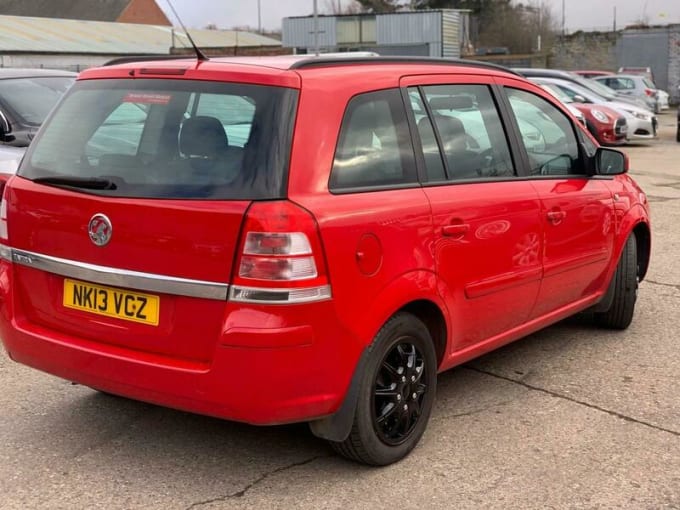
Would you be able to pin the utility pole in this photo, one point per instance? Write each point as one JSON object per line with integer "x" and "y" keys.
{"x": 563, "y": 19}
{"x": 259, "y": 17}
{"x": 316, "y": 29}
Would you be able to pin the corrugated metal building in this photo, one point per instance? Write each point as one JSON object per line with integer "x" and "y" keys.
{"x": 657, "y": 48}
{"x": 76, "y": 45}
{"x": 433, "y": 33}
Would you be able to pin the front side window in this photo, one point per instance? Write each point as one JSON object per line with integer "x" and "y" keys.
{"x": 374, "y": 148}
{"x": 461, "y": 123}
{"x": 169, "y": 139}
{"x": 547, "y": 134}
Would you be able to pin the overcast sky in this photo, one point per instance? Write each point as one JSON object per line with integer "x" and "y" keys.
{"x": 579, "y": 14}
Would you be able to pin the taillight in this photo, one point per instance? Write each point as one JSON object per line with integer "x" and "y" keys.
{"x": 280, "y": 258}
{"x": 3, "y": 213}
{"x": 5, "y": 251}
{"x": 650, "y": 92}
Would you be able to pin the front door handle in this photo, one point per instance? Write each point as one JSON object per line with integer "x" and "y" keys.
{"x": 455, "y": 230}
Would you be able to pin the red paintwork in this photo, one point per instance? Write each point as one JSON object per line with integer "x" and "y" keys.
{"x": 517, "y": 256}
{"x": 603, "y": 132}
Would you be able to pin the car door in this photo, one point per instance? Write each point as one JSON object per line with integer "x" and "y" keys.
{"x": 576, "y": 208}
{"x": 487, "y": 242}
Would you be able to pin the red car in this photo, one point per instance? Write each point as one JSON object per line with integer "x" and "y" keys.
{"x": 607, "y": 125}
{"x": 290, "y": 239}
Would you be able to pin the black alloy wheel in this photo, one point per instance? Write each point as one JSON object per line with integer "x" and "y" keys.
{"x": 399, "y": 391}
{"x": 396, "y": 393}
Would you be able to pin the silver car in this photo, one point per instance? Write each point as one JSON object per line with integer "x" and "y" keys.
{"x": 641, "y": 122}
{"x": 634, "y": 85}
{"x": 10, "y": 157}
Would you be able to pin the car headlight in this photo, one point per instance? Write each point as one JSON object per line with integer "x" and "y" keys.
{"x": 641, "y": 116}
{"x": 600, "y": 115}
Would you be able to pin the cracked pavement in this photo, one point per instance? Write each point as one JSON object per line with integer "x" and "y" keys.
{"x": 570, "y": 417}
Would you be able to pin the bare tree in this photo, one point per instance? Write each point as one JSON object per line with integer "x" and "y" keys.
{"x": 343, "y": 7}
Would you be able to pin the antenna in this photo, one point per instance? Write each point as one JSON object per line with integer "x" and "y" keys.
{"x": 199, "y": 54}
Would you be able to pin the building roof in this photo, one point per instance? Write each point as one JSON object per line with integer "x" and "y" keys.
{"x": 93, "y": 10}
{"x": 44, "y": 35}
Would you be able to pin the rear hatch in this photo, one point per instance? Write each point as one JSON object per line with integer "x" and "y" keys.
{"x": 127, "y": 209}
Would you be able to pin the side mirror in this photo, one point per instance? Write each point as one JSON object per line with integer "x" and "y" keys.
{"x": 579, "y": 99}
{"x": 610, "y": 162}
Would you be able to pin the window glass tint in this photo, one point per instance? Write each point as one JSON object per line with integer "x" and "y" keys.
{"x": 374, "y": 148}
{"x": 234, "y": 112}
{"x": 470, "y": 132}
{"x": 434, "y": 166}
{"x": 170, "y": 138}
{"x": 120, "y": 133}
{"x": 648, "y": 83}
{"x": 547, "y": 134}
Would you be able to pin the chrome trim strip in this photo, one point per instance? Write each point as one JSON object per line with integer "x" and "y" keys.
{"x": 5, "y": 253}
{"x": 121, "y": 277}
{"x": 282, "y": 296}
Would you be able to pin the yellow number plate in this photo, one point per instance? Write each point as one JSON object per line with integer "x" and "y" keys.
{"x": 112, "y": 302}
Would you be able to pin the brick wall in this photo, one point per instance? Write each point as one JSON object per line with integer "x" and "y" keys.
{"x": 674, "y": 65}
{"x": 585, "y": 50}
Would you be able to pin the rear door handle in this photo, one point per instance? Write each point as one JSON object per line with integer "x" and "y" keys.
{"x": 556, "y": 217}
{"x": 455, "y": 230}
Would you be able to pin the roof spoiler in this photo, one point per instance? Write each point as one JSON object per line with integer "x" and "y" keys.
{"x": 146, "y": 58}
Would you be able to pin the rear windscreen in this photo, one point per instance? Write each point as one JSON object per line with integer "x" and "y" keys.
{"x": 169, "y": 139}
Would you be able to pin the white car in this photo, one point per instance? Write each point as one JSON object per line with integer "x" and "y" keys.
{"x": 664, "y": 98}
{"x": 641, "y": 122}
{"x": 10, "y": 157}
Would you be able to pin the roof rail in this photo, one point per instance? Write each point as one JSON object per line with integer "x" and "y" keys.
{"x": 320, "y": 61}
{"x": 147, "y": 58}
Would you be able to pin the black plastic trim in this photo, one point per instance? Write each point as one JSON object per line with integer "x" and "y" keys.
{"x": 147, "y": 58}
{"x": 320, "y": 61}
{"x": 338, "y": 425}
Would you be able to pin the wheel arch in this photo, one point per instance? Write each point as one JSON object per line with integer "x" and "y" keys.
{"x": 644, "y": 247}
{"x": 433, "y": 317}
{"x": 338, "y": 426}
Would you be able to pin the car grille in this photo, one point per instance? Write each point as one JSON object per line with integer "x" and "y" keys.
{"x": 620, "y": 126}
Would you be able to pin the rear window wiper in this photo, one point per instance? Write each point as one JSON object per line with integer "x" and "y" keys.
{"x": 78, "y": 182}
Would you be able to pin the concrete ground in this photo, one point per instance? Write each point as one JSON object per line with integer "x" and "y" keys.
{"x": 572, "y": 417}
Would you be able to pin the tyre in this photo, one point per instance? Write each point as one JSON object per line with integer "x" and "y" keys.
{"x": 625, "y": 286}
{"x": 396, "y": 394}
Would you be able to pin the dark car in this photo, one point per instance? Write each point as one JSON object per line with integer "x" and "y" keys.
{"x": 677, "y": 134}
{"x": 26, "y": 97}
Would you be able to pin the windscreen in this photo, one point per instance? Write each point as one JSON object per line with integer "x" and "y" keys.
{"x": 168, "y": 139}
{"x": 31, "y": 99}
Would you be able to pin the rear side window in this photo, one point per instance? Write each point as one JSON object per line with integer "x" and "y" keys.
{"x": 467, "y": 129}
{"x": 547, "y": 134}
{"x": 170, "y": 139}
{"x": 374, "y": 148}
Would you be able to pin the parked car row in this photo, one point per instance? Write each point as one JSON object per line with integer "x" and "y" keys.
{"x": 659, "y": 98}
{"x": 619, "y": 116}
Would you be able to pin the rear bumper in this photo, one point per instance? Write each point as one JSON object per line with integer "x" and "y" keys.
{"x": 261, "y": 376}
